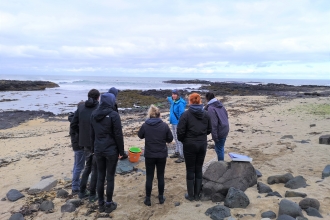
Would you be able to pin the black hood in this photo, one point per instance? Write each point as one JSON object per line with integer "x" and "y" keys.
{"x": 106, "y": 106}
{"x": 197, "y": 111}
{"x": 153, "y": 121}
{"x": 91, "y": 103}
{"x": 114, "y": 91}
{"x": 217, "y": 104}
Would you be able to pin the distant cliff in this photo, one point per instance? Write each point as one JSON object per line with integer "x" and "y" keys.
{"x": 17, "y": 85}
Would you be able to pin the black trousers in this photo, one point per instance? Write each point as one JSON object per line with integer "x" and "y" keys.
{"x": 194, "y": 154}
{"x": 90, "y": 167}
{"x": 106, "y": 167}
{"x": 151, "y": 163}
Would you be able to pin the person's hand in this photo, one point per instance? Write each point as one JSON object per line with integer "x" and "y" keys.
{"x": 120, "y": 156}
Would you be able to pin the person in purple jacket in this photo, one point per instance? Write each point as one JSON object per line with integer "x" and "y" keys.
{"x": 219, "y": 122}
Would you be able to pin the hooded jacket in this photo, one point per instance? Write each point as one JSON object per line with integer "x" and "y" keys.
{"x": 156, "y": 134}
{"x": 219, "y": 119}
{"x": 106, "y": 130}
{"x": 114, "y": 91}
{"x": 194, "y": 125}
{"x": 176, "y": 110}
{"x": 81, "y": 123}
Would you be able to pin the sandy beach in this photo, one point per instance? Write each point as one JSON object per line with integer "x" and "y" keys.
{"x": 41, "y": 147}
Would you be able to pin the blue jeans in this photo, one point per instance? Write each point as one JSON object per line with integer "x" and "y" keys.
{"x": 220, "y": 148}
{"x": 78, "y": 166}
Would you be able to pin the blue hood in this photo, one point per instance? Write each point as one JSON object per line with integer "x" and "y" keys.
{"x": 197, "y": 110}
{"x": 114, "y": 91}
{"x": 153, "y": 121}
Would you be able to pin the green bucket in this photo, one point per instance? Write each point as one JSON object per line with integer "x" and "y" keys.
{"x": 135, "y": 149}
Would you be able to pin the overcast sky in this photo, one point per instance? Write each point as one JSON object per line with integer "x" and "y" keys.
{"x": 184, "y": 38}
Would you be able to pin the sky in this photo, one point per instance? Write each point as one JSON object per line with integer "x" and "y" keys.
{"x": 182, "y": 38}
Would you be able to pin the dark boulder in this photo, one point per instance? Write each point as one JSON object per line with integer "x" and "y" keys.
{"x": 285, "y": 217}
{"x": 236, "y": 199}
{"x": 326, "y": 171}
{"x": 258, "y": 173}
{"x": 279, "y": 178}
{"x": 62, "y": 193}
{"x": 309, "y": 202}
{"x": 46, "y": 206}
{"x": 16, "y": 216}
{"x": 68, "y": 207}
{"x": 14, "y": 195}
{"x": 274, "y": 194}
{"x": 296, "y": 183}
{"x": 324, "y": 139}
{"x": 268, "y": 214}
{"x": 218, "y": 197}
{"x": 263, "y": 188}
{"x": 313, "y": 212}
{"x": 290, "y": 208}
{"x": 295, "y": 194}
{"x": 218, "y": 212}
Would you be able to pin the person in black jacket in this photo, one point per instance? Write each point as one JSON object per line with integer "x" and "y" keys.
{"x": 108, "y": 145}
{"x": 156, "y": 134}
{"x": 82, "y": 125}
{"x": 192, "y": 131}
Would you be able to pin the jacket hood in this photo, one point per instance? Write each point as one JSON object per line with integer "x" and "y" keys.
{"x": 180, "y": 100}
{"x": 90, "y": 103}
{"x": 216, "y": 104}
{"x": 106, "y": 106}
{"x": 197, "y": 110}
{"x": 114, "y": 91}
{"x": 153, "y": 121}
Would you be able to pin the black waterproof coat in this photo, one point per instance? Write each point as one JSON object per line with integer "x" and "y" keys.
{"x": 81, "y": 122}
{"x": 74, "y": 135}
{"x": 194, "y": 125}
{"x": 106, "y": 130}
{"x": 156, "y": 134}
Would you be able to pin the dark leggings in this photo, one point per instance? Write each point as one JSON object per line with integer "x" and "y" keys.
{"x": 194, "y": 154}
{"x": 90, "y": 167}
{"x": 151, "y": 163}
{"x": 106, "y": 167}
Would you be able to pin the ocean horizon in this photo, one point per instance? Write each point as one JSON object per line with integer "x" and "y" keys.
{"x": 74, "y": 89}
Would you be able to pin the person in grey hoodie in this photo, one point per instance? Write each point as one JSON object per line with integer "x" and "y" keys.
{"x": 220, "y": 123}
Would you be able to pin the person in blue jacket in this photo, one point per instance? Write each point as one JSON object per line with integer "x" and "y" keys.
{"x": 178, "y": 106}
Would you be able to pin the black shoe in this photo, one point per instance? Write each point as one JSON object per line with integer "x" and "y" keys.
{"x": 197, "y": 189}
{"x": 75, "y": 192}
{"x": 175, "y": 155}
{"x": 101, "y": 207}
{"x": 110, "y": 207}
{"x": 83, "y": 195}
{"x": 125, "y": 156}
{"x": 179, "y": 160}
{"x": 161, "y": 199}
{"x": 147, "y": 201}
{"x": 190, "y": 189}
{"x": 93, "y": 198}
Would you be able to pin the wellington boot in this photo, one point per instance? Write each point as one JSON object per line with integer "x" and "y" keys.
{"x": 190, "y": 189}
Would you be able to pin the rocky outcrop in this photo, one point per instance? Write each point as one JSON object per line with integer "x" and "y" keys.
{"x": 17, "y": 85}
{"x": 220, "y": 176}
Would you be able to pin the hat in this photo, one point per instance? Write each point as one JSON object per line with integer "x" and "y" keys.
{"x": 175, "y": 91}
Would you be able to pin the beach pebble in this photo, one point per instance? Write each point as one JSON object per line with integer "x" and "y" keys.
{"x": 34, "y": 207}
{"x": 14, "y": 195}
{"x": 46, "y": 206}
{"x": 75, "y": 202}
{"x": 16, "y": 216}
{"x": 263, "y": 188}
{"x": 309, "y": 202}
{"x": 68, "y": 207}
{"x": 290, "y": 208}
{"x": 3, "y": 199}
{"x": 197, "y": 205}
{"x": 279, "y": 178}
{"x": 285, "y": 217}
{"x": 287, "y": 137}
{"x": 236, "y": 199}
{"x": 313, "y": 212}
{"x": 274, "y": 194}
{"x": 268, "y": 214}
{"x": 45, "y": 177}
{"x": 62, "y": 193}
{"x": 295, "y": 194}
{"x": 326, "y": 171}
{"x": 296, "y": 183}
{"x": 258, "y": 173}
{"x": 324, "y": 139}
{"x": 177, "y": 203}
{"x": 218, "y": 212}
{"x": 230, "y": 218}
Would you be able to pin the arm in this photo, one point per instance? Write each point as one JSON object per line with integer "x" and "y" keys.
{"x": 181, "y": 129}
{"x": 214, "y": 124}
{"x": 170, "y": 100}
{"x": 141, "y": 132}
{"x": 92, "y": 137}
{"x": 169, "y": 135}
{"x": 118, "y": 132}
{"x": 209, "y": 126}
{"x": 74, "y": 125}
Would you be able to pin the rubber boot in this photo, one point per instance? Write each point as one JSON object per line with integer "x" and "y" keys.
{"x": 190, "y": 189}
{"x": 147, "y": 201}
{"x": 198, "y": 187}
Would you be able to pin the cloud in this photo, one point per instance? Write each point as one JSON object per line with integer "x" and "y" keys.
{"x": 257, "y": 38}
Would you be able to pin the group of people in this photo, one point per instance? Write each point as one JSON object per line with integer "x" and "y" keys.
{"x": 98, "y": 143}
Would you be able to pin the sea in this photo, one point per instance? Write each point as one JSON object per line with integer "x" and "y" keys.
{"x": 73, "y": 89}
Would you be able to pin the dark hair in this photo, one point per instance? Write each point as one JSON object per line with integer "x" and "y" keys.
{"x": 94, "y": 94}
{"x": 209, "y": 96}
